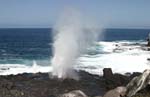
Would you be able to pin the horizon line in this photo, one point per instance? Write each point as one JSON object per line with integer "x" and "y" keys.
{"x": 52, "y": 27}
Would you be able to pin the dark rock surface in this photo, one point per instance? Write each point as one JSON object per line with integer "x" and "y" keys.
{"x": 143, "y": 93}
{"x": 148, "y": 44}
{"x": 40, "y": 85}
{"x": 114, "y": 80}
{"x": 148, "y": 40}
{"x": 107, "y": 73}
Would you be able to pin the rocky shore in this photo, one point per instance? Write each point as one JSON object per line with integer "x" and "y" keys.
{"x": 40, "y": 85}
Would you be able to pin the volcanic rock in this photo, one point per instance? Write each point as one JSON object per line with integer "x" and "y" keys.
{"x": 114, "y": 80}
{"x": 40, "y": 85}
{"x": 107, "y": 73}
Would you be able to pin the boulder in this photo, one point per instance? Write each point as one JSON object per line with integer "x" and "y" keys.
{"x": 107, "y": 73}
{"x": 138, "y": 83}
{"x": 117, "y": 92}
{"x": 114, "y": 80}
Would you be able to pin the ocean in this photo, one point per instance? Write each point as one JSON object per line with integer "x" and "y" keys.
{"x": 30, "y": 50}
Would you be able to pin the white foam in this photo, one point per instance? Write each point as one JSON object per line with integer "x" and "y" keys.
{"x": 7, "y": 69}
{"x": 107, "y": 46}
{"x": 121, "y": 56}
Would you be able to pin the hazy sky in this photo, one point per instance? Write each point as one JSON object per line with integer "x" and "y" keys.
{"x": 44, "y": 13}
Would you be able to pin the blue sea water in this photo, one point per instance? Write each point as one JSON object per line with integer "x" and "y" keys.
{"x": 21, "y": 46}
{"x": 125, "y": 34}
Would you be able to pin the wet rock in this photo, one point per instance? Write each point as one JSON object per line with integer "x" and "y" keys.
{"x": 135, "y": 74}
{"x": 75, "y": 93}
{"x": 107, "y": 73}
{"x": 114, "y": 80}
{"x": 148, "y": 59}
{"x": 117, "y": 92}
{"x": 148, "y": 40}
{"x": 148, "y": 44}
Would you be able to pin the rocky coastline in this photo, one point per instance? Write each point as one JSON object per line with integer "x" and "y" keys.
{"x": 41, "y": 85}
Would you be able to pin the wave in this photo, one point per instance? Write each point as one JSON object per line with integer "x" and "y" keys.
{"x": 121, "y": 56}
{"x": 8, "y": 69}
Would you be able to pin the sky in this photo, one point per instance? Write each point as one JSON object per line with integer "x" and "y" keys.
{"x": 44, "y": 13}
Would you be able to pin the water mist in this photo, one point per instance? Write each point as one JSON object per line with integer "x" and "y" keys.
{"x": 72, "y": 37}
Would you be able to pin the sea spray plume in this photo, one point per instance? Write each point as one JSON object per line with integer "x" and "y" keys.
{"x": 34, "y": 66}
{"x": 71, "y": 39}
